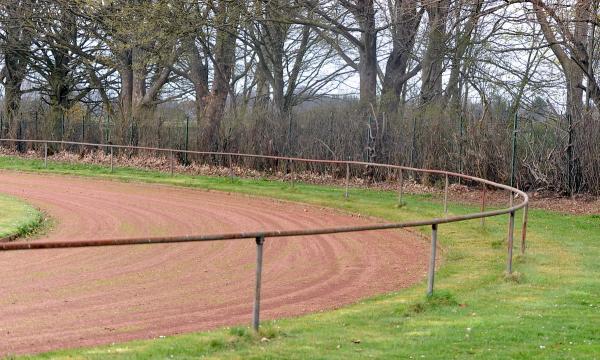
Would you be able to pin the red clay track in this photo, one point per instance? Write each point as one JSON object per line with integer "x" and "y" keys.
{"x": 51, "y": 299}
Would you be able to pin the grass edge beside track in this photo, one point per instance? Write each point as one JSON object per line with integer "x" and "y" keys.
{"x": 18, "y": 218}
{"x": 550, "y": 309}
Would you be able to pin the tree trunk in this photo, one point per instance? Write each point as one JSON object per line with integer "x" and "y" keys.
{"x": 227, "y": 20}
{"x": 12, "y": 103}
{"x": 572, "y": 64}
{"x": 60, "y": 89}
{"x": 125, "y": 97}
{"x": 368, "y": 52}
{"x": 463, "y": 40}
{"x": 16, "y": 51}
{"x": 404, "y": 28}
{"x": 433, "y": 61}
{"x": 198, "y": 75}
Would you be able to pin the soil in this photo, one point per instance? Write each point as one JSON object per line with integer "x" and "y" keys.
{"x": 54, "y": 299}
{"x": 580, "y": 204}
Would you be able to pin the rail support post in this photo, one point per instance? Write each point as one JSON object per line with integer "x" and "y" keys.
{"x": 45, "y": 154}
{"x": 111, "y": 159}
{"x": 511, "y": 230}
{"x": 259, "y": 260}
{"x": 293, "y": 171}
{"x": 347, "y": 179}
{"x": 231, "y": 172}
{"x": 401, "y": 191}
{"x": 172, "y": 162}
{"x": 483, "y": 204}
{"x": 524, "y": 230}
{"x": 446, "y": 195}
{"x": 431, "y": 274}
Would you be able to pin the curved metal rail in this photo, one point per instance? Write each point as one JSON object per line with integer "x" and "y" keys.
{"x": 262, "y": 235}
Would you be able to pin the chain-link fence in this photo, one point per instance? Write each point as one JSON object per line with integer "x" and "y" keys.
{"x": 553, "y": 152}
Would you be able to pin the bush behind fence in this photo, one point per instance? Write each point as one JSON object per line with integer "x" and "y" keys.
{"x": 545, "y": 157}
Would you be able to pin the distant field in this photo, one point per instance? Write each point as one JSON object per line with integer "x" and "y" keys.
{"x": 550, "y": 310}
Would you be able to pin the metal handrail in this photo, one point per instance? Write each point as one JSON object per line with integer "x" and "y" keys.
{"x": 260, "y": 236}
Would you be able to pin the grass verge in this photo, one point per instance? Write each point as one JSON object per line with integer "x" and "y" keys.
{"x": 17, "y": 218}
{"x": 550, "y": 309}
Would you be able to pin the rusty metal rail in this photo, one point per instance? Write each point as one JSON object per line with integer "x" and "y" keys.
{"x": 261, "y": 236}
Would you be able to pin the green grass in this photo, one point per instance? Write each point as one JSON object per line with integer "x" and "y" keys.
{"x": 17, "y": 218}
{"x": 550, "y": 309}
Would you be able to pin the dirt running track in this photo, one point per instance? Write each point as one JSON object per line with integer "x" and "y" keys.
{"x": 51, "y": 299}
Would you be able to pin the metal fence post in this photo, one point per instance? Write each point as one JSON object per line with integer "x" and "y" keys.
{"x": 524, "y": 230}
{"x": 172, "y": 162}
{"x": 414, "y": 140}
{"x": 431, "y": 274}
{"x": 570, "y": 159}
{"x": 62, "y": 129}
{"x": 347, "y": 179}
{"x": 187, "y": 137}
{"x": 259, "y": 260}
{"x": 401, "y": 191}
{"x": 45, "y": 154}
{"x": 111, "y": 159}
{"x": 483, "y": 204}
{"x": 513, "y": 164}
{"x": 293, "y": 170}
{"x": 511, "y": 230}
{"x": 460, "y": 148}
{"x": 446, "y": 196}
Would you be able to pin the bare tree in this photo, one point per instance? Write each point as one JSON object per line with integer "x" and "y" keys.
{"x": 433, "y": 59}
{"x": 15, "y": 46}
{"x": 405, "y": 21}
{"x": 142, "y": 44}
{"x": 355, "y": 22}
{"x": 569, "y": 34}
{"x": 226, "y": 21}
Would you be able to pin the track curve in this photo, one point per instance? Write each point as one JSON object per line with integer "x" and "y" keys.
{"x": 51, "y": 299}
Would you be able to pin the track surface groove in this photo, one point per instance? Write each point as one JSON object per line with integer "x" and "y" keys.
{"x": 52, "y": 299}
